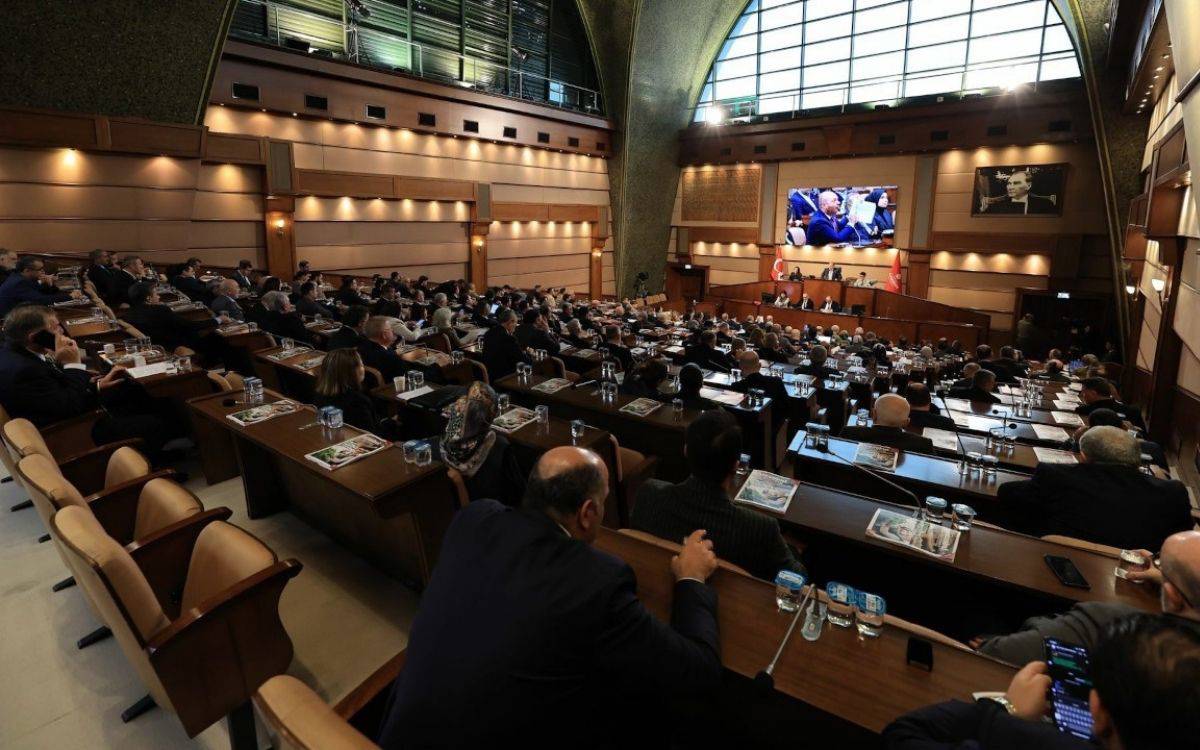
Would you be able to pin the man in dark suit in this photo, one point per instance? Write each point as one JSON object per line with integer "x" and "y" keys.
{"x": 752, "y": 377}
{"x": 748, "y": 539}
{"x": 534, "y": 332}
{"x": 350, "y": 335}
{"x": 805, "y": 302}
{"x": 43, "y": 380}
{"x": 704, "y": 352}
{"x": 565, "y": 628}
{"x": 187, "y": 283}
{"x": 1098, "y": 393}
{"x": 22, "y": 286}
{"x": 1053, "y": 372}
{"x": 922, "y": 411}
{"x": 1019, "y": 199}
{"x": 387, "y": 305}
{"x": 890, "y": 414}
{"x": 1106, "y": 499}
{"x": 1143, "y": 696}
{"x": 826, "y": 228}
{"x": 817, "y": 367}
{"x": 617, "y": 349}
{"x": 282, "y": 319}
{"x": 225, "y": 301}
{"x": 131, "y": 271}
{"x": 830, "y": 306}
{"x": 501, "y": 352}
{"x": 100, "y": 272}
{"x": 831, "y": 272}
{"x": 163, "y": 325}
{"x": 242, "y": 275}
{"x": 376, "y": 350}
{"x": 981, "y": 390}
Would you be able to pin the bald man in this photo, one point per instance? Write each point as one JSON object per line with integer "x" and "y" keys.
{"x": 890, "y": 417}
{"x": 1177, "y": 580}
{"x": 826, "y": 228}
{"x": 752, "y": 377}
{"x": 528, "y": 634}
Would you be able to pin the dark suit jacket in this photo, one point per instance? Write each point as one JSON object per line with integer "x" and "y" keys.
{"x": 621, "y": 354}
{"x": 313, "y": 308}
{"x": 709, "y": 358}
{"x": 163, "y": 325}
{"x": 834, "y": 306}
{"x": 564, "y": 629}
{"x": 385, "y": 360}
{"x": 984, "y": 725}
{"x": 805, "y": 303}
{"x": 1131, "y": 413}
{"x": 929, "y": 419}
{"x": 192, "y": 287}
{"x": 119, "y": 286}
{"x": 344, "y": 338}
{"x": 890, "y": 436}
{"x": 739, "y": 535}
{"x": 286, "y": 325}
{"x": 772, "y": 387}
{"x": 102, "y": 278}
{"x": 227, "y": 305}
{"x": 1103, "y": 503}
{"x": 242, "y": 280}
{"x": 501, "y": 353}
{"x": 974, "y": 394}
{"x": 529, "y": 337}
{"x": 17, "y": 289}
{"x": 43, "y": 393}
{"x": 357, "y": 409}
{"x": 825, "y": 231}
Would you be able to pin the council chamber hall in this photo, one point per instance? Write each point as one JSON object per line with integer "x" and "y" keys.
{"x": 600, "y": 373}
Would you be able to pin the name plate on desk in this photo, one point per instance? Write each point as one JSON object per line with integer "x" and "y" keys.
{"x": 146, "y": 371}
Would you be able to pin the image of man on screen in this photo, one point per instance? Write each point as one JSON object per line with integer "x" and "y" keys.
{"x": 825, "y": 227}
{"x": 1018, "y": 198}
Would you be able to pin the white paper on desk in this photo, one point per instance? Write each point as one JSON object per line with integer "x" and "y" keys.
{"x": 944, "y": 439}
{"x": 563, "y": 346}
{"x": 1071, "y": 419}
{"x": 1054, "y": 456}
{"x": 1075, "y": 386}
{"x": 1065, "y": 404}
{"x": 1050, "y": 432}
{"x": 974, "y": 422}
{"x": 958, "y": 404}
{"x": 146, "y": 371}
{"x": 414, "y": 393}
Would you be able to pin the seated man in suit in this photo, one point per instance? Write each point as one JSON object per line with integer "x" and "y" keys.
{"x": 981, "y": 390}
{"x": 43, "y": 380}
{"x": 861, "y": 280}
{"x": 100, "y": 272}
{"x": 805, "y": 302}
{"x": 282, "y": 319}
{"x": 163, "y": 325}
{"x": 576, "y": 336}
{"x": 890, "y": 414}
{"x": 817, "y": 367}
{"x": 1098, "y": 393}
{"x": 348, "y": 293}
{"x": 704, "y": 352}
{"x": 187, "y": 283}
{"x": 308, "y": 305}
{"x": 827, "y": 228}
{"x": 564, "y": 625}
{"x": 830, "y": 306}
{"x": 131, "y": 271}
{"x": 377, "y": 349}
{"x": 796, "y": 275}
{"x": 23, "y": 285}
{"x": 831, "y": 272}
{"x": 967, "y": 376}
{"x": 534, "y": 332}
{"x": 388, "y": 303}
{"x": 1053, "y": 372}
{"x": 501, "y": 351}
{"x": 1105, "y": 499}
{"x": 746, "y": 538}
{"x": 354, "y": 324}
{"x": 922, "y": 411}
{"x": 1176, "y": 579}
{"x": 752, "y": 377}
{"x": 1158, "y": 457}
{"x": 617, "y": 349}
{"x": 1143, "y": 696}
{"x": 1007, "y": 361}
{"x": 225, "y": 302}
{"x": 241, "y": 276}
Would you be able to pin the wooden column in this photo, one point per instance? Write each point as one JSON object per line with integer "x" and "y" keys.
{"x": 766, "y": 259}
{"x": 477, "y": 270}
{"x": 279, "y": 225}
{"x": 600, "y": 233}
{"x": 917, "y": 278}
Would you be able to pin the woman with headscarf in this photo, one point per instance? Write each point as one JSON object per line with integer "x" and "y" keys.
{"x": 883, "y": 217}
{"x": 481, "y": 455}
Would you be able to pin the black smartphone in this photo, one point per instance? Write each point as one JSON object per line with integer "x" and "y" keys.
{"x": 920, "y": 653}
{"x": 1066, "y": 572}
{"x": 1070, "y": 686}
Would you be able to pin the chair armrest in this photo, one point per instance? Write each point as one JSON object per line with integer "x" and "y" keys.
{"x": 164, "y": 556}
{"x": 632, "y": 479}
{"x": 212, "y": 658}
{"x": 73, "y": 435}
{"x": 86, "y": 470}
{"x": 116, "y": 507}
{"x": 369, "y": 689}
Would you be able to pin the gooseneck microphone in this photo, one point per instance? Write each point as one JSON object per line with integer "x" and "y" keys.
{"x": 941, "y": 393}
{"x": 823, "y": 448}
{"x": 765, "y": 680}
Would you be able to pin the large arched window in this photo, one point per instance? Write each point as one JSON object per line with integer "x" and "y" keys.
{"x": 792, "y": 55}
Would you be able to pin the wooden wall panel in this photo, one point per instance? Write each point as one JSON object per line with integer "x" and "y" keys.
{"x": 140, "y": 136}
{"x": 240, "y": 149}
{"x": 312, "y": 208}
{"x": 343, "y": 183}
{"x": 418, "y": 188}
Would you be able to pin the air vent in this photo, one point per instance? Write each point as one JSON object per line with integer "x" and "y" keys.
{"x": 798, "y": 145}
{"x": 470, "y": 126}
{"x": 312, "y": 101}
{"x": 1059, "y": 126}
{"x": 510, "y": 132}
{"x": 727, "y": 152}
{"x": 600, "y": 146}
{"x": 573, "y": 142}
{"x": 760, "y": 149}
{"x": 939, "y": 135}
{"x": 426, "y": 119}
{"x": 376, "y": 112}
{"x": 543, "y": 137}
{"x": 245, "y": 91}
{"x": 887, "y": 140}
{"x": 997, "y": 130}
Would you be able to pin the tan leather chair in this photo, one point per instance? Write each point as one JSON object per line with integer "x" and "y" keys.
{"x": 632, "y": 469}
{"x": 460, "y": 487}
{"x": 218, "y": 382}
{"x": 439, "y": 342}
{"x": 91, "y": 471}
{"x": 195, "y": 611}
{"x": 297, "y": 719}
{"x": 235, "y": 380}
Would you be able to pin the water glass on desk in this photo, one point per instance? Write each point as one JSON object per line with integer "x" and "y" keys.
{"x": 935, "y": 509}
{"x": 788, "y": 587}
{"x": 416, "y": 379}
{"x": 989, "y": 463}
{"x": 288, "y": 344}
{"x": 677, "y": 409}
{"x": 1130, "y": 561}
{"x": 410, "y": 451}
{"x": 456, "y": 357}
{"x": 132, "y": 346}
{"x": 869, "y": 611}
{"x": 543, "y": 414}
{"x": 841, "y": 604}
{"x": 973, "y": 461}
{"x": 185, "y": 364}
{"x": 735, "y": 375}
{"x": 424, "y": 454}
{"x": 962, "y": 517}
{"x": 251, "y": 327}
{"x": 577, "y": 428}
{"x": 502, "y": 402}
{"x": 254, "y": 390}
{"x": 863, "y": 418}
{"x": 400, "y": 383}
{"x": 743, "y": 465}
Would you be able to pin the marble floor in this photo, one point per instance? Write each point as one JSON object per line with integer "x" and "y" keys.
{"x": 345, "y": 619}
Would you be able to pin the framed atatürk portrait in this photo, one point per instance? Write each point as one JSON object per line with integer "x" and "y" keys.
{"x": 1025, "y": 190}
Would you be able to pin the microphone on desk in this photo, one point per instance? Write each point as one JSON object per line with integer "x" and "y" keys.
{"x": 941, "y": 393}
{"x": 824, "y": 448}
{"x": 585, "y": 382}
{"x": 764, "y": 680}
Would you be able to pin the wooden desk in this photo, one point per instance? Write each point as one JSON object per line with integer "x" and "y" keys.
{"x": 863, "y": 681}
{"x": 982, "y": 424}
{"x": 382, "y": 508}
{"x": 1008, "y": 413}
{"x": 923, "y": 475}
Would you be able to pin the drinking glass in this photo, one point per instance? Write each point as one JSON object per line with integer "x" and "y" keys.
{"x": 743, "y": 466}
{"x": 995, "y": 438}
{"x": 110, "y": 349}
{"x": 145, "y": 343}
{"x": 990, "y": 463}
{"x": 788, "y": 585}
{"x": 185, "y": 364}
{"x": 424, "y": 454}
{"x": 252, "y": 326}
{"x": 973, "y": 458}
{"x": 841, "y": 604}
{"x": 410, "y": 451}
{"x": 962, "y": 516}
{"x": 863, "y": 418}
{"x": 172, "y": 366}
{"x": 869, "y": 612}
{"x": 577, "y": 428}
{"x": 417, "y": 377}
{"x": 757, "y": 398}
{"x": 543, "y": 414}
{"x": 288, "y": 344}
{"x": 254, "y": 390}
{"x": 735, "y": 375}
{"x": 456, "y": 357}
{"x": 335, "y": 417}
{"x": 1130, "y": 561}
{"x": 677, "y": 408}
{"x": 399, "y": 383}
{"x": 935, "y": 509}
{"x": 131, "y": 346}
{"x": 1010, "y": 442}
{"x": 502, "y": 402}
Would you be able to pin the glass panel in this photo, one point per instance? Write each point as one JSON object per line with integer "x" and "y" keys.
{"x": 789, "y": 36}
{"x": 1008, "y": 18}
{"x": 938, "y": 84}
{"x": 1003, "y": 75}
{"x": 747, "y": 24}
{"x": 869, "y": 4}
{"x": 743, "y": 45}
{"x": 1057, "y": 40}
{"x": 879, "y": 41}
{"x": 828, "y": 8}
{"x": 773, "y": 104}
{"x": 735, "y": 88}
{"x": 820, "y": 75}
{"x": 936, "y": 32}
{"x": 787, "y": 80}
{"x": 875, "y": 92}
{"x": 1006, "y": 46}
{"x": 1064, "y": 67}
{"x": 988, "y": 4}
{"x": 785, "y": 15}
{"x": 784, "y": 58}
{"x": 878, "y": 66}
{"x": 817, "y": 99}
{"x": 742, "y": 66}
{"x": 886, "y": 17}
{"x": 939, "y": 56}
{"x": 923, "y": 10}
{"x": 826, "y": 28}
{"x": 838, "y": 49}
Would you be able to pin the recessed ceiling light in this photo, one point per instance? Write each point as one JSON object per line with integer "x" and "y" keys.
{"x": 1158, "y": 69}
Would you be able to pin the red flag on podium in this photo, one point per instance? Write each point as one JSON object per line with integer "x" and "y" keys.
{"x": 778, "y": 268}
{"x": 893, "y": 282}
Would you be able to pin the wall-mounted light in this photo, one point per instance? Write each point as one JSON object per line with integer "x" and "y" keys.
{"x": 280, "y": 225}
{"x": 1131, "y": 290}
{"x": 1159, "y": 284}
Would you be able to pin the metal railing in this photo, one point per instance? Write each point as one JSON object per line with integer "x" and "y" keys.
{"x": 351, "y": 41}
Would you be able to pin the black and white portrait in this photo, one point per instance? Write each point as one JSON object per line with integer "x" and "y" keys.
{"x": 1031, "y": 190}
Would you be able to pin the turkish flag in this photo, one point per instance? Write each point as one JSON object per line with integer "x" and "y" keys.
{"x": 778, "y": 269}
{"x": 893, "y": 282}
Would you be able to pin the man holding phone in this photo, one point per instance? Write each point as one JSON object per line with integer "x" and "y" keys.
{"x": 1143, "y": 695}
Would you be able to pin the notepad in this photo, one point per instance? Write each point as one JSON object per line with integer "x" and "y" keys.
{"x": 1068, "y": 418}
{"x": 944, "y": 439}
{"x": 409, "y": 395}
{"x": 1050, "y": 432}
{"x": 146, "y": 371}
{"x": 1054, "y": 456}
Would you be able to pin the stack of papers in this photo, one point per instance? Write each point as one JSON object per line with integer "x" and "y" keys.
{"x": 763, "y": 489}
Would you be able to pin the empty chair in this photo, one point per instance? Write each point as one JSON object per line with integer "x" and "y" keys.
{"x": 218, "y": 382}
{"x": 297, "y": 719}
{"x": 90, "y": 471}
{"x": 200, "y": 624}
